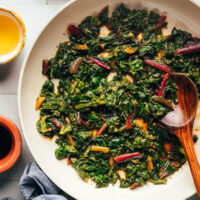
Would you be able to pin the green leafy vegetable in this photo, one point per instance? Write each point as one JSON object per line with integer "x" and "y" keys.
{"x": 109, "y": 106}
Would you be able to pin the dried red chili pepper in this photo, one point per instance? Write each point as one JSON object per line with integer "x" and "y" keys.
{"x": 56, "y": 122}
{"x": 161, "y": 21}
{"x": 163, "y": 67}
{"x": 128, "y": 122}
{"x": 98, "y": 62}
{"x": 69, "y": 161}
{"x": 190, "y": 48}
{"x": 163, "y": 84}
{"x": 79, "y": 120}
{"x": 45, "y": 66}
{"x": 126, "y": 156}
{"x": 74, "y": 30}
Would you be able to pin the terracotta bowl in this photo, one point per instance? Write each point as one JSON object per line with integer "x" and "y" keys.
{"x": 11, "y": 158}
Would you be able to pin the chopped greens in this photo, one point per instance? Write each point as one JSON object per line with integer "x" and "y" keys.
{"x": 113, "y": 88}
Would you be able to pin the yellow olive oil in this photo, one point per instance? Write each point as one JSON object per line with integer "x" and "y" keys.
{"x": 9, "y": 35}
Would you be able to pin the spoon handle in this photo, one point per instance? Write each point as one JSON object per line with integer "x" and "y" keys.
{"x": 185, "y": 136}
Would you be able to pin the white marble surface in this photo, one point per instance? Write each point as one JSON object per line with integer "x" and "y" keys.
{"x": 34, "y": 14}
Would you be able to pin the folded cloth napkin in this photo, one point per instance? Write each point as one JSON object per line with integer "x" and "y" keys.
{"x": 35, "y": 185}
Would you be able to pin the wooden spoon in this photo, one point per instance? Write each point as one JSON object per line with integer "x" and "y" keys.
{"x": 181, "y": 120}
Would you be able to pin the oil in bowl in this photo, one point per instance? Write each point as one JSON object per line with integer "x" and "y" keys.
{"x": 12, "y": 35}
{"x": 9, "y": 35}
{"x": 5, "y": 142}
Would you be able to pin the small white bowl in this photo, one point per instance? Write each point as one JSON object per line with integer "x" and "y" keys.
{"x": 17, "y": 19}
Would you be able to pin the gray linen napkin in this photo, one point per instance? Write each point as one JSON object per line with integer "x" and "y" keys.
{"x": 35, "y": 185}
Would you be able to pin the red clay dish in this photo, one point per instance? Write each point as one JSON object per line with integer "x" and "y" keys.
{"x": 10, "y": 159}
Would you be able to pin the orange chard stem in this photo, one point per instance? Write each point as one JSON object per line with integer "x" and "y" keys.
{"x": 71, "y": 141}
{"x": 167, "y": 146}
{"x": 111, "y": 160}
{"x": 99, "y": 148}
{"x": 128, "y": 122}
{"x": 102, "y": 129}
{"x": 69, "y": 160}
{"x": 134, "y": 185}
{"x": 150, "y": 163}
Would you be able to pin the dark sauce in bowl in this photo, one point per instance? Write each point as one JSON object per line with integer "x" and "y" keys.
{"x": 5, "y": 142}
